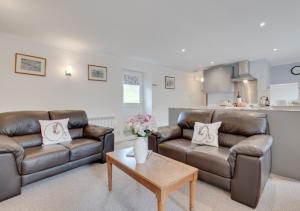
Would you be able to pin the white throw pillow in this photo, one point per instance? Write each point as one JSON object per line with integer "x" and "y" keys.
{"x": 206, "y": 134}
{"x": 55, "y": 131}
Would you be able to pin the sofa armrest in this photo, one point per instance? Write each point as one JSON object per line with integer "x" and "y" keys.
{"x": 167, "y": 133}
{"x": 249, "y": 179}
{"x": 163, "y": 134}
{"x": 250, "y": 162}
{"x": 255, "y": 146}
{"x": 8, "y": 145}
{"x": 108, "y": 145}
{"x": 103, "y": 134}
{"x": 96, "y": 132}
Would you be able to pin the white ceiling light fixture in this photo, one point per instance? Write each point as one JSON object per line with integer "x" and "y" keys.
{"x": 275, "y": 49}
{"x": 183, "y": 50}
{"x": 212, "y": 62}
{"x": 262, "y": 24}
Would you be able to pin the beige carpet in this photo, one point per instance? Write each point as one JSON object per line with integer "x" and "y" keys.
{"x": 85, "y": 188}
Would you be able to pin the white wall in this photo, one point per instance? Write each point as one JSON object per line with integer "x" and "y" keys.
{"x": 56, "y": 91}
{"x": 260, "y": 69}
{"x": 187, "y": 92}
{"x": 281, "y": 74}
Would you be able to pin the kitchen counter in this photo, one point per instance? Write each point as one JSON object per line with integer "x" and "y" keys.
{"x": 284, "y": 125}
{"x": 271, "y": 108}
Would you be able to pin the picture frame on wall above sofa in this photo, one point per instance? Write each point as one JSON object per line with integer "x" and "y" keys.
{"x": 30, "y": 65}
{"x": 169, "y": 82}
{"x": 97, "y": 73}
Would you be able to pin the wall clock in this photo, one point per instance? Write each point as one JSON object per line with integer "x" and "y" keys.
{"x": 295, "y": 70}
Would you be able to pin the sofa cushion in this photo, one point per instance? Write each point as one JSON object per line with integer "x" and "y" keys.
{"x": 176, "y": 149}
{"x": 242, "y": 123}
{"x": 228, "y": 140}
{"x": 31, "y": 140}
{"x": 210, "y": 159}
{"x": 187, "y": 133}
{"x": 206, "y": 134}
{"x": 81, "y": 148}
{"x": 21, "y": 122}
{"x": 187, "y": 119}
{"x": 76, "y": 133}
{"x": 55, "y": 131}
{"x": 44, "y": 157}
{"x": 77, "y": 118}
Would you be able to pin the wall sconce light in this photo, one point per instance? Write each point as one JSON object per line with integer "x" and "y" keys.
{"x": 245, "y": 81}
{"x": 198, "y": 76}
{"x": 68, "y": 70}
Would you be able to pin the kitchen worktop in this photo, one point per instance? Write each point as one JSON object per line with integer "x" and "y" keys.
{"x": 271, "y": 108}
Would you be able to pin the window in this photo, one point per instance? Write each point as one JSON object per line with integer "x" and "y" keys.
{"x": 132, "y": 85}
{"x": 131, "y": 93}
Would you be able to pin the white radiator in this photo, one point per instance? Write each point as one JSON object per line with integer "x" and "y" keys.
{"x": 108, "y": 121}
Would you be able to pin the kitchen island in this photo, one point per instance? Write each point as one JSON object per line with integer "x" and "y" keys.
{"x": 284, "y": 125}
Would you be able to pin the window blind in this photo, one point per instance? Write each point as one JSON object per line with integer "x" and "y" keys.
{"x": 131, "y": 79}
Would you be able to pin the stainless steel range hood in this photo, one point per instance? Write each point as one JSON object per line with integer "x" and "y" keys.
{"x": 241, "y": 72}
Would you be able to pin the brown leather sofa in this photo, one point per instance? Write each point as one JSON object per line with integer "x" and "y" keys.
{"x": 242, "y": 162}
{"x": 23, "y": 158}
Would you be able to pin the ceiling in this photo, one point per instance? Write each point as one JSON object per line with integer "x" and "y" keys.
{"x": 155, "y": 31}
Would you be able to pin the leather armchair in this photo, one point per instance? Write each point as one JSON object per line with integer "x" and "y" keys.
{"x": 24, "y": 159}
{"x": 242, "y": 162}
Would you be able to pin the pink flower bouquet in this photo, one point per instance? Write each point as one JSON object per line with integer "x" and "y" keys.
{"x": 141, "y": 125}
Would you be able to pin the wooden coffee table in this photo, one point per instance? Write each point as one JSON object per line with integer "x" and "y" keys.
{"x": 159, "y": 174}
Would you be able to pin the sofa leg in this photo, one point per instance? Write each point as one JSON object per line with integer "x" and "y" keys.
{"x": 250, "y": 176}
{"x": 10, "y": 180}
{"x": 103, "y": 159}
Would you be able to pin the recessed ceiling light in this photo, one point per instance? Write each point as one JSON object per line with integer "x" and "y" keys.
{"x": 262, "y": 24}
{"x": 212, "y": 62}
{"x": 275, "y": 49}
{"x": 183, "y": 50}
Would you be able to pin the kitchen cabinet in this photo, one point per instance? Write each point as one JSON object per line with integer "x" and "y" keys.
{"x": 218, "y": 80}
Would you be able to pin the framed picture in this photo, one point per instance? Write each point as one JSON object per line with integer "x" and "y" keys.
{"x": 169, "y": 82}
{"x": 97, "y": 73}
{"x": 31, "y": 65}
